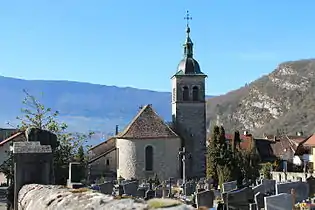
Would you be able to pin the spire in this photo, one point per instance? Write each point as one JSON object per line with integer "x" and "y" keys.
{"x": 188, "y": 45}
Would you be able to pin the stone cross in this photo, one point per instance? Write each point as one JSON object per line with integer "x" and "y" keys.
{"x": 183, "y": 154}
{"x": 170, "y": 187}
{"x": 151, "y": 181}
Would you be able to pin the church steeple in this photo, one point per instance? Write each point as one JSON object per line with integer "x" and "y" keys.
{"x": 188, "y": 45}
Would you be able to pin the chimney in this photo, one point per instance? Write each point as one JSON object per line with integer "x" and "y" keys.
{"x": 116, "y": 130}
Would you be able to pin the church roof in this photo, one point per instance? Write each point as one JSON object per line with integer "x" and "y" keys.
{"x": 147, "y": 124}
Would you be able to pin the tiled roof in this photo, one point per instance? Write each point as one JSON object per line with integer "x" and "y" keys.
{"x": 310, "y": 142}
{"x": 147, "y": 124}
{"x": 11, "y": 138}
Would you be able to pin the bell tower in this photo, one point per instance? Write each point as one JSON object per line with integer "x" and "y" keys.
{"x": 189, "y": 109}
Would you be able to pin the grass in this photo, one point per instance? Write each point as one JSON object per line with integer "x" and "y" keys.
{"x": 80, "y": 190}
{"x": 162, "y": 203}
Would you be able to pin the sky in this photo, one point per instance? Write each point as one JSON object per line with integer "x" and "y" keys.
{"x": 139, "y": 43}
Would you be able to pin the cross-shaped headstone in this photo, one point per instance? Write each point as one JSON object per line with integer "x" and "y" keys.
{"x": 150, "y": 181}
{"x": 170, "y": 187}
{"x": 183, "y": 154}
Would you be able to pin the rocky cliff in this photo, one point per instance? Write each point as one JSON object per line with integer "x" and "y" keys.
{"x": 282, "y": 101}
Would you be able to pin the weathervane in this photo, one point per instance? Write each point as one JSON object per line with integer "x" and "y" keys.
{"x": 187, "y": 18}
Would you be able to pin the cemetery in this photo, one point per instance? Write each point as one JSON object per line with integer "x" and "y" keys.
{"x": 34, "y": 178}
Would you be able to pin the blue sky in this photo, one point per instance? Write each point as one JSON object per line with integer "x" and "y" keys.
{"x": 139, "y": 43}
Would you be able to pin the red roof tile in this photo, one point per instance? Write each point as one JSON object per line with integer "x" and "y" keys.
{"x": 147, "y": 124}
{"x": 11, "y": 138}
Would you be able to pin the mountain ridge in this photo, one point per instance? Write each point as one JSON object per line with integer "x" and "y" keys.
{"x": 279, "y": 102}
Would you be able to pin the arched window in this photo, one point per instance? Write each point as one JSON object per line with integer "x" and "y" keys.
{"x": 185, "y": 93}
{"x": 195, "y": 93}
{"x": 149, "y": 158}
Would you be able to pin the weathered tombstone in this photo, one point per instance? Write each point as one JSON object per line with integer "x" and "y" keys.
{"x": 229, "y": 186}
{"x": 240, "y": 198}
{"x": 106, "y": 187}
{"x": 190, "y": 188}
{"x": 76, "y": 174}
{"x": 301, "y": 189}
{"x": 33, "y": 164}
{"x": 43, "y": 136}
{"x": 282, "y": 201}
{"x": 141, "y": 192}
{"x": 205, "y": 198}
{"x": 130, "y": 188}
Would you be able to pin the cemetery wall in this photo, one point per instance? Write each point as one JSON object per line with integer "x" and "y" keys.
{"x": 131, "y": 158}
{"x": 293, "y": 176}
{"x": 60, "y": 198}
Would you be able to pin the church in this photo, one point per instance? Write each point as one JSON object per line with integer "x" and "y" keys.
{"x": 148, "y": 146}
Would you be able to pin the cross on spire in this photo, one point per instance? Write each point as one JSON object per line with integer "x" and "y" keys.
{"x": 187, "y": 18}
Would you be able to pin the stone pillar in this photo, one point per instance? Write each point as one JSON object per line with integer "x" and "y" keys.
{"x": 32, "y": 165}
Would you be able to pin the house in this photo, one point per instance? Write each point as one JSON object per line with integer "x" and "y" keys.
{"x": 5, "y": 148}
{"x": 307, "y": 151}
{"x": 148, "y": 146}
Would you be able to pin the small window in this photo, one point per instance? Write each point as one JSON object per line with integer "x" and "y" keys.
{"x": 185, "y": 93}
{"x": 107, "y": 162}
{"x": 195, "y": 93}
{"x": 149, "y": 158}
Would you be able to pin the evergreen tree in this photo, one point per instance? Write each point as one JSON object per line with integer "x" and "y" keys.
{"x": 213, "y": 154}
{"x": 238, "y": 159}
{"x": 251, "y": 161}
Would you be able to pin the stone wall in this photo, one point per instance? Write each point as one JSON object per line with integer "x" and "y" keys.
{"x": 131, "y": 158}
{"x": 54, "y": 197}
{"x": 290, "y": 176}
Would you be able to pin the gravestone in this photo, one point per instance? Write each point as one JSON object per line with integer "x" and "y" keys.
{"x": 239, "y": 198}
{"x": 106, "y": 187}
{"x": 301, "y": 189}
{"x": 259, "y": 200}
{"x": 130, "y": 188}
{"x": 282, "y": 201}
{"x": 253, "y": 206}
{"x": 229, "y": 186}
{"x": 205, "y": 198}
{"x": 149, "y": 194}
{"x": 311, "y": 183}
{"x": 141, "y": 192}
{"x": 76, "y": 173}
{"x": 43, "y": 136}
{"x": 33, "y": 164}
{"x": 190, "y": 188}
